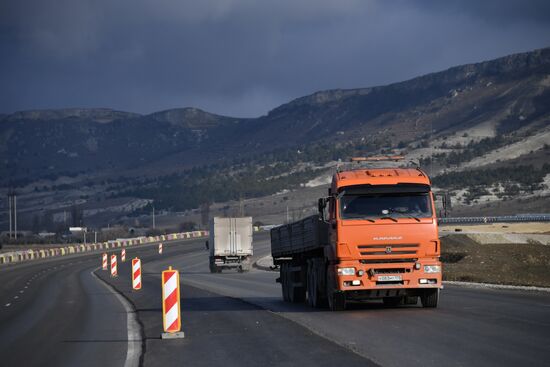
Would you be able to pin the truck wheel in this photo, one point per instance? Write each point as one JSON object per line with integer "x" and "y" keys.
{"x": 297, "y": 294}
{"x": 392, "y": 301}
{"x": 314, "y": 298}
{"x": 336, "y": 300}
{"x": 430, "y": 298}
{"x": 212, "y": 266}
{"x": 284, "y": 282}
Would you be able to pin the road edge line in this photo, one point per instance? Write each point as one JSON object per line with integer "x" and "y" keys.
{"x": 496, "y": 286}
{"x": 135, "y": 340}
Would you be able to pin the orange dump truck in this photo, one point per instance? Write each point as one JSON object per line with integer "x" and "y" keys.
{"x": 375, "y": 238}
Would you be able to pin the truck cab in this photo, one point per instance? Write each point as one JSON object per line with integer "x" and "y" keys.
{"x": 375, "y": 237}
{"x": 383, "y": 236}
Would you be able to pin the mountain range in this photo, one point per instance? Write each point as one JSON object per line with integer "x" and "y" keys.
{"x": 439, "y": 116}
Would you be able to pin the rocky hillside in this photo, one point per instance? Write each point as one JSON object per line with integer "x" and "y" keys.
{"x": 462, "y": 118}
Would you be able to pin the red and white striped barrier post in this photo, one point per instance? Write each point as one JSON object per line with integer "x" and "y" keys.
{"x": 171, "y": 313}
{"x": 114, "y": 272}
{"x": 136, "y": 274}
{"x": 160, "y": 248}
{"x": 104, "y": 262}
{"x": 123, "y": 255}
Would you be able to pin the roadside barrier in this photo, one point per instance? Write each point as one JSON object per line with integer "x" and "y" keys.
{"x": 104, "y": 262}
{"x": 123, "y": 255}
{"x": 114, "y": 272}
{"x": 27, "y": 255}
{"x": 136, "y": 273}
{"x": 171, "y": 310}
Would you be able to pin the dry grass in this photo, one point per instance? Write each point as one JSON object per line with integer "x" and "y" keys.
{"x": 516, "y": 264}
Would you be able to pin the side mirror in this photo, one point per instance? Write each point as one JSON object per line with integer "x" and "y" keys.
{"x": 321, "y": 204}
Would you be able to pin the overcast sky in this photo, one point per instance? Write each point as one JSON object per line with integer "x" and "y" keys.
{"x": 238, "y": 57}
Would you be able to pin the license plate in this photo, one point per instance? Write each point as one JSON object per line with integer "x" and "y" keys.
{"x": 389, "y": 278}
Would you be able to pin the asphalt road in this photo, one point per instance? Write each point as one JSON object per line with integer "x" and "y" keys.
{"x": 67, "y": 317}
{"x": 55, "y": 313}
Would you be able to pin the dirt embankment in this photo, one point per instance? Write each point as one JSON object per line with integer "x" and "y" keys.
{"x": 464, "y": 259}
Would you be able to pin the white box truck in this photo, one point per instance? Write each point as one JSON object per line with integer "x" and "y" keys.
{"x": 230, "y": 244}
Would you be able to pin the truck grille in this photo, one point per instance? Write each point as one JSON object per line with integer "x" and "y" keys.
{"x": 387, "y": 261}
{"x": 389, "y": 271}
{"x": 390, "y": 252}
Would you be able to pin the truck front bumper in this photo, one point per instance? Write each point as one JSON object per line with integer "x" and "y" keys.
{"x": 374, "y": 277}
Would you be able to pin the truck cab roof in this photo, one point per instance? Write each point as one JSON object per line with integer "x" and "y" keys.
{"x": 379, "y": 176}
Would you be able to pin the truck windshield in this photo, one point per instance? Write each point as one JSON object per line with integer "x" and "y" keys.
{"x": 392, "y": 205}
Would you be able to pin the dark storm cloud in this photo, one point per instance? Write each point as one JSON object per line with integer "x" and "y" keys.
{"x": 241, "y": 57}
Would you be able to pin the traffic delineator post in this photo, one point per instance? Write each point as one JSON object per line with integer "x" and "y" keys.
{"x": 160, "y": 248}
{"x": 114, "y": 272}
{"x": 123, "y": 255}
{"x": 171, "y": 310}
{"x": 136, "y": 274}
{"x": 104, "y": 262}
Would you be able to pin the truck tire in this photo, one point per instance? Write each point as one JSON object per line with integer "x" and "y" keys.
{"x": 336, "y": 300}
{"x": 314, "y": 297}
{"x": 392, "y": 301}
{"x": 297, "y": 294}
{"x": 430, "y": 298}
{"x": 284, "y": 282}
{"x": 310, "y": 286}
{"x": 212, "y": 266}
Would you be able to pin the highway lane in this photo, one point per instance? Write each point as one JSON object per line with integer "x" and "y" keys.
{"x": 472, "y": 327}
{"x": 237, "y": 319}
{"x": 65, "y": 317}
{"x": 55, "y": 312}
{"x": 220, "y": 330}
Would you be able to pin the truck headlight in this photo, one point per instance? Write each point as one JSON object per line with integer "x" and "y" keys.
{"x": 432, "y": 269}
{"x": 346, "y": 271}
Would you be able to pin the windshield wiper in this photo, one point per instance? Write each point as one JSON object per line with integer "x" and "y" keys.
{"x": 351, "y": 216}
{"x": 392, "y": 218}
{"x": 412, "y": 217}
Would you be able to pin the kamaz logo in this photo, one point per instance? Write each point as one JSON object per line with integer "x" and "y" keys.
{"x": 388, "y": 250}
{"x": 387, "y": 238}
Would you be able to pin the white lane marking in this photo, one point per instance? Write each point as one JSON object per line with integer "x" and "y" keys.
{"x": 16, "y": 297}
{"x": 21, "y": 291}
{"x": 8, "y": 304}
{"x": 26, "y": 287}
{"x": 134, "y": 332}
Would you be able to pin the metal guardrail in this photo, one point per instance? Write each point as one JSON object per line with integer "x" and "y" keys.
{"x": 496, "y": 219}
